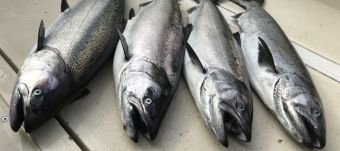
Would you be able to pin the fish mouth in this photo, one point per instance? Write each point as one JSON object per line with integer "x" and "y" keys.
{"x": 309, "y": 132}
{"x": 22, "y": 112}
{"x": 137, "y": 121}
{"x": 317, "y": 139}
{"x": 231, "y": 124}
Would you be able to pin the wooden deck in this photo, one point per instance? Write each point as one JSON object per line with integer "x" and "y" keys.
{"x": 93, "y": 122}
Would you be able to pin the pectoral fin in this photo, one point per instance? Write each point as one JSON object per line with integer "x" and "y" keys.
{"x": 265, "y": 58}
{"x": 124, "y": 45}
{"x": 194, "y": 57}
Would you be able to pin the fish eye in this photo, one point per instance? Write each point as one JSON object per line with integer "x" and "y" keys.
{"x": 241, "y": 108}
{"x": 37, "y": 92}
{"x": 316, "y": 113}
{"x": 148, "y": 101}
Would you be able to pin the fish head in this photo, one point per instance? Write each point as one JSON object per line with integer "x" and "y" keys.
{"x": 303, "y": 109}
{"x": 35, "y": 95}
{"x": 144, "y": 99}
{"x": 230, "y": 106}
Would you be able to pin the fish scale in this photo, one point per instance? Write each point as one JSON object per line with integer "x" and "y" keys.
{"x": 90, "y": 36}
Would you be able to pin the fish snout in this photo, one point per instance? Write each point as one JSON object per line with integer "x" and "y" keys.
{"x": 309, "y": 125}
{"x": 16, "y": 110}
{"x": 22, "y": 111}
{"x": 315, "y": 127}
{"x": 235, "y": 124}
{"x": 137, "y": 121}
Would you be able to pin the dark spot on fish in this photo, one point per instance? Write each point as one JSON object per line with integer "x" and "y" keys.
{"x": 180, "y": 134}
{"x": 280, "y": 140}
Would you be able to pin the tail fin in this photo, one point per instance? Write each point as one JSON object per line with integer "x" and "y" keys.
{"x": 247, "y": 3}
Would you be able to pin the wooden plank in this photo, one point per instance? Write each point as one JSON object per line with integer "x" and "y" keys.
{"x": 13, "y": 141}
{"x": 319, "y": 63}
{"x": 335, "y": 4}
{"x": 20, "y": 22}
{"x": 51, "y": 136}
{"x": 7, "y": 79}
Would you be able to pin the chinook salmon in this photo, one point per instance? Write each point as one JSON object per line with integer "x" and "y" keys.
{"x": 73, "y": 49}
{"x": 214, "y": 72}
{"x": 279, "y": 76}
{"x": 147, "y": 66}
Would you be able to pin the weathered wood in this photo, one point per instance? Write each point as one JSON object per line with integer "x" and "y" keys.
{"x": 13, "y": 141}
{"x": 20, "y": 22}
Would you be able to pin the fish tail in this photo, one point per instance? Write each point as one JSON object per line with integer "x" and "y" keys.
{"x": 247, "y": 3}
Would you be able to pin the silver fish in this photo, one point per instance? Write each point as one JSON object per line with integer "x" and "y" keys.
{"x": 73, "y": 49}
{"x": 147, "y": 66}
{"x": 215, "y": 74}
{"x": 279, "y": 76}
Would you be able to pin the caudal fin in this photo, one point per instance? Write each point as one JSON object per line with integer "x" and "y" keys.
{"x": 248, "y": 3}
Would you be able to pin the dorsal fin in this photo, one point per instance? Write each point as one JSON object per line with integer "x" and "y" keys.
{"x": 64, "y": 5}
{"x": 194, "y": 58}
{"x": 41, "y": 36}
{"x": 124, "y": 45}
{"x": 132, "y": 13}
{"x": 265, "y": 57}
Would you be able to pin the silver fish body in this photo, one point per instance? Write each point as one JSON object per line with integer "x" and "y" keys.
{"x": 146, "y": 74}
{"x": 279, "y": 76}
{"x": 218, "y": 83}
{"x": 73, "y": 49}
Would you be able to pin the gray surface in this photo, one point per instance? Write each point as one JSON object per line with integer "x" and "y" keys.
{"x": 13, "y": 141}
